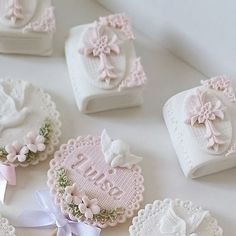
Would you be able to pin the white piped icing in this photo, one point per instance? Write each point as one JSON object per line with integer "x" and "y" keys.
{"x": 12, "y": 109}
{"x": 117, "y": 152}
{"x": 5, "y": 228}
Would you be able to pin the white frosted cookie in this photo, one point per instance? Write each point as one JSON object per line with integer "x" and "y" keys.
{"x": 5, "y": 228}
{"x": 104, "y": 70}
{"x": 29, "y": 123}
{"x": 26, "y": 27}
{"x": 174, "y": 218}
{"x": 201, "y": 125}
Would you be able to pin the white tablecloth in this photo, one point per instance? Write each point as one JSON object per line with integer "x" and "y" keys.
{"x": 143, "y": 128}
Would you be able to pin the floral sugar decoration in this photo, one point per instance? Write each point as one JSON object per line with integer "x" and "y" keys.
{"x": 221, "y": 83}
{"x": 34, "y": 143}
{"x": 80, "y": 206}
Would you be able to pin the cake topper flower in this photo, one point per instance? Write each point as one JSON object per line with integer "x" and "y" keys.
{"x": 89, "y": 207}
{"x": 102, "y": 45}
{"x": 117, "y": 152}
{"x": 172, "y": 225}
{"x": 16, "y": 152}
{"x": 73, "y": 194}
{"x": 35, "y": 142}
{"x": 206, "y": 112}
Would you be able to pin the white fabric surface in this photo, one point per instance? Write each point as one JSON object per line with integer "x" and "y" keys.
{"x": 143, "y": 128}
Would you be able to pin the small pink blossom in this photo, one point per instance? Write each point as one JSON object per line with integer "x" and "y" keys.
{"x": 15, "y": 152}
{"x": 73, "y": 194}
{"x": 100, "y": 43}
{"x": 89, "y": 207}
{"x": 35, "y": 142}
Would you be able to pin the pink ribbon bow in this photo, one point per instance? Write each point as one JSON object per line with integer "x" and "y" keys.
{"x": 7, "y": 176}
{"x": 50, "y": 215}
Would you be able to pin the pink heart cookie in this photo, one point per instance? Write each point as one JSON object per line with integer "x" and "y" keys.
{"x": 96, "y": 180}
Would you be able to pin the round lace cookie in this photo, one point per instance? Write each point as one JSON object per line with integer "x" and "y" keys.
{"x": 29, "y": 123}
{"x": 96, "y": 180}
{"x": 5, "y": 228}
{"x": 174, "y": 218}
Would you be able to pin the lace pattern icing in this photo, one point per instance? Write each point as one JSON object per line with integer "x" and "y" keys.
{"x": 118, "y": 21}
{"x": 49, "y": 108}
{"x": 148, "y": 221}
{"x": 5, "y": 228}
{"x": 46, "y": 23}
{"x": 57, "y": 163}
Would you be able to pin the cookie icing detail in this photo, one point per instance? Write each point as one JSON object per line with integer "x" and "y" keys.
{"x": 117, "y": 152}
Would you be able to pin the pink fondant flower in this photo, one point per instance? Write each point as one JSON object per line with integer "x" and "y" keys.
{"x": 203, "y": 111}
{"x": 89, "y": 207}
{"x": 73, "y": 194}
{"x": 35, "y": 142}
{"x": 15, "y": 152}
{"x": 100, "y": 43}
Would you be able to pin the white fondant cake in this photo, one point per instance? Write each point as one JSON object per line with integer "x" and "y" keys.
{"x": 202, "y": 129}
{"x": 26, "y": 27}
{"x": 103, "y": 67}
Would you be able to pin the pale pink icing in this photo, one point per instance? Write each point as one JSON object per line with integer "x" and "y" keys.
{"x": 221, "y": 83}
{"x": 231, "y": 151}
{"x": 206, "y": 112}
{"x": 119, "y": 21}
{"x": 86, "y": 166}
{"x": 102, "y": 45}
{"x": 14, "y": 11}
{"x": 46, "y": 23}
{"x": 136, "y": 78}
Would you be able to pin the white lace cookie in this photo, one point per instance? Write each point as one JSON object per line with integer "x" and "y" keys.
{"x": 174, "y": 218}
{"x": 104, "y": 69}
{"x": 96, "y": 180}
{"x": 26, "y": 27}
{"x": 202, "y": 128}
{"x": 5, "y": 228}
{"x": 29, "y": 123}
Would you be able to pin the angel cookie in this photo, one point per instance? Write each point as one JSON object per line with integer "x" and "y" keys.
{"x": 202, "y": 128}
{"x": 26, "y": 26}
{"x": 174, "y": 218}
{"x": 104, "y": 69}
{"x": 96, "y": 180}
{"x": 29, "y": 127}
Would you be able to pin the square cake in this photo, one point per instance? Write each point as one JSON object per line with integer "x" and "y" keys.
{"x": 103, "y": 67}
{"x": 26, "y": 27}
{"x": 202, "y": 128}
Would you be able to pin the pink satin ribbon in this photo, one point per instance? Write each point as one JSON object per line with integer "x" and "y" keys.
{"x": 7, "y": 176}
{"x": 51, "y": 216}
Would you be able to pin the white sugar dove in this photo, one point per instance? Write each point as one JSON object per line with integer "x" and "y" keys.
{"x": 173, "y": 225}
{"x": 12, "y": 112}
{"x": 117, "y": 152}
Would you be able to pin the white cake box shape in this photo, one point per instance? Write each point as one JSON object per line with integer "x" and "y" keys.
{"x": 202, "y": 128}
{"x": 104, "y": 70}
{"x": 174, "y": 218}
{"x": 26, "y": 27}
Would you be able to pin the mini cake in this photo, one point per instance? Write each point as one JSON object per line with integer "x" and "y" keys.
{"x": 201, "y": 125}
{"x": 96, "y": 180}
{"x": 26, "y": 27}
{"x": 5, "y": 228}
{"x": 104, "y": 70}
{"x": 174, "y": 218}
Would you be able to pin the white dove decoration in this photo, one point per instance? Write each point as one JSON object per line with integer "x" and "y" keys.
{"x": 12, "y": 112}
{"x": 117, "y": 152}
{"x": 173, "y": 225}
